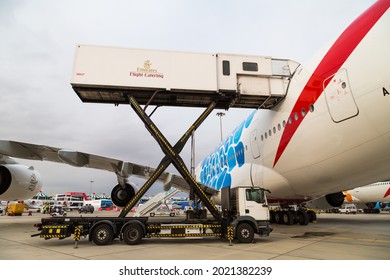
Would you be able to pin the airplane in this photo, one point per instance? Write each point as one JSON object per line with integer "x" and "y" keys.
{"x": 370, "y": 197}
{"x": 17, "y": 182}
{"x": 38, "y": 201}
{"x": 330, "y": 131}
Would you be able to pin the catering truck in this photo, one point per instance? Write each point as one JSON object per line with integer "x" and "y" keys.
{"x": 174, "y": 79}
{"x": 244, "y": 213}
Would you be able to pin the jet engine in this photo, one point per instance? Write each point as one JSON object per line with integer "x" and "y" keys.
{"x": 18, "y": 182}
{"x": 121, "y": 195}
{"x": 327, "y": 201}
{"x": 335, "y": 199}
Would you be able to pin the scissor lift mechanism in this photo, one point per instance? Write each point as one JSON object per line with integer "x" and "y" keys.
{"x": 171, "y": 156}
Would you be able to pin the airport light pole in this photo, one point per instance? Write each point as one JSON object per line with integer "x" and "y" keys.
{"x": 220, "y": 115}
{"x": 90, "y": 193}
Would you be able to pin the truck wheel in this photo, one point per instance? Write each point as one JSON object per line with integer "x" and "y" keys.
{"x": 102, "y": 234}
{"x": 245, "y": 233}
{"x": 132, "y": 234}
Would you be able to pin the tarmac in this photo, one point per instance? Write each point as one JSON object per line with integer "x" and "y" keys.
{"x": 333, "y": 237}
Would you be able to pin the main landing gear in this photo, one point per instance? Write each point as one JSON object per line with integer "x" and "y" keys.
{"x": 291, "y": 216}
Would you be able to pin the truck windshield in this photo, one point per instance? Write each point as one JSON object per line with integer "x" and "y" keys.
{"x": 256, "y": 195}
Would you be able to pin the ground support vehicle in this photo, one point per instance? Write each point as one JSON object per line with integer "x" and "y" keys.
{"x": 15, "y": 209}
{"x": 58, "y": 211}
{"x": 245, "y": 209}
{"x": 235, "y": 223}
{"x": 163, "y": 212}
{"x": 348, "y": 209}
{"x": 88, "y": 208}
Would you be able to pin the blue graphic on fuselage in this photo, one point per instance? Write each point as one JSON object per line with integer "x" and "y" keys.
{"x": 217, "y": 167}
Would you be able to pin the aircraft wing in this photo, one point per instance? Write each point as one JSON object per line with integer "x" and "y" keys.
{"x": 122, "y": 169}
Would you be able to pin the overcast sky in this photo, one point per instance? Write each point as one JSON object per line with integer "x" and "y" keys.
{"x": 37, "y": 45}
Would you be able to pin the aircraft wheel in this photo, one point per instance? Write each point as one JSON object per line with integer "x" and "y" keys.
{"x": 278, "y": 217}
{"x": 132, "y": 234}
{"x": 122, "y": 195}
{"x": 272, "y": 216}
{"x": 102, "y": 234}
{"x": 312, "y": 216}
{"x": 303, "y": 217}
{"x": 288, "y": 217}
{"x": 245, "y": 233}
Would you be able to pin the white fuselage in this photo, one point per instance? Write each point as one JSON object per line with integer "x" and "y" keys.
{"x": 331, "y": 130}
{"x": 377, "y": 192}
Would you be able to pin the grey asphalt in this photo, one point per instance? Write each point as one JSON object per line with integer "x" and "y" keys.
{"x": 333, "y": 237}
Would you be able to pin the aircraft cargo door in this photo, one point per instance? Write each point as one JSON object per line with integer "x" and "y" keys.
{"x": 339, "y": 97}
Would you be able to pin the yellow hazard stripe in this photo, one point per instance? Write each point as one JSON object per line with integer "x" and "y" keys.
{"x": 54, "y": 227}
{"x": 183, "y": 226}
{"x": 186, "y": 235}
{"x": 53, "y": 236}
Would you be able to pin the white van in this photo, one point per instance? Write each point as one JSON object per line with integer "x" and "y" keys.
{"x": 348, "y": 209}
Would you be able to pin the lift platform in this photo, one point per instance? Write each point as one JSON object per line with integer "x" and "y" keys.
{"x": 168, "y": 78}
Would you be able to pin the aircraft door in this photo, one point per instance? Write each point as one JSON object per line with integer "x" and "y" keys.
{"x": 339, "y": 98}
{"x": 254, "y": 144}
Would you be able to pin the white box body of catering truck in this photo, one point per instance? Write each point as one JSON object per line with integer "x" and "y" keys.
{"x": 109, "y": 75}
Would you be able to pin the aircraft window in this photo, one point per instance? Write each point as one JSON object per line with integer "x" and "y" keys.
{"x": 311, "y": 108}
{"x": 226, "y": 67}
{"x": 274, "y": 130}
{"x": 265, "y": 135}
{"x": 279, "y": 127}
{"x": 284, "y": 123}
{"x": 303, "y": 112}
{"x": 262, "y": 138}
{"x": 249, "y": 66}
{"x": 296, "y": 116}
{"x": 269, "y": 132}
{"x": 289, "y": 120}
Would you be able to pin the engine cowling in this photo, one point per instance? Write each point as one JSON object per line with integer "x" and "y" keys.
{"x": 18, "y": 182}
{"x": 327, "y": 201}
{"x": 335, "y": 199}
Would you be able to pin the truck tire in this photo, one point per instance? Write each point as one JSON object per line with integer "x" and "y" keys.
{"x": 132, "y": 234}
{"x": 245, "y": 233}
{"x": 102, "y": 234}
